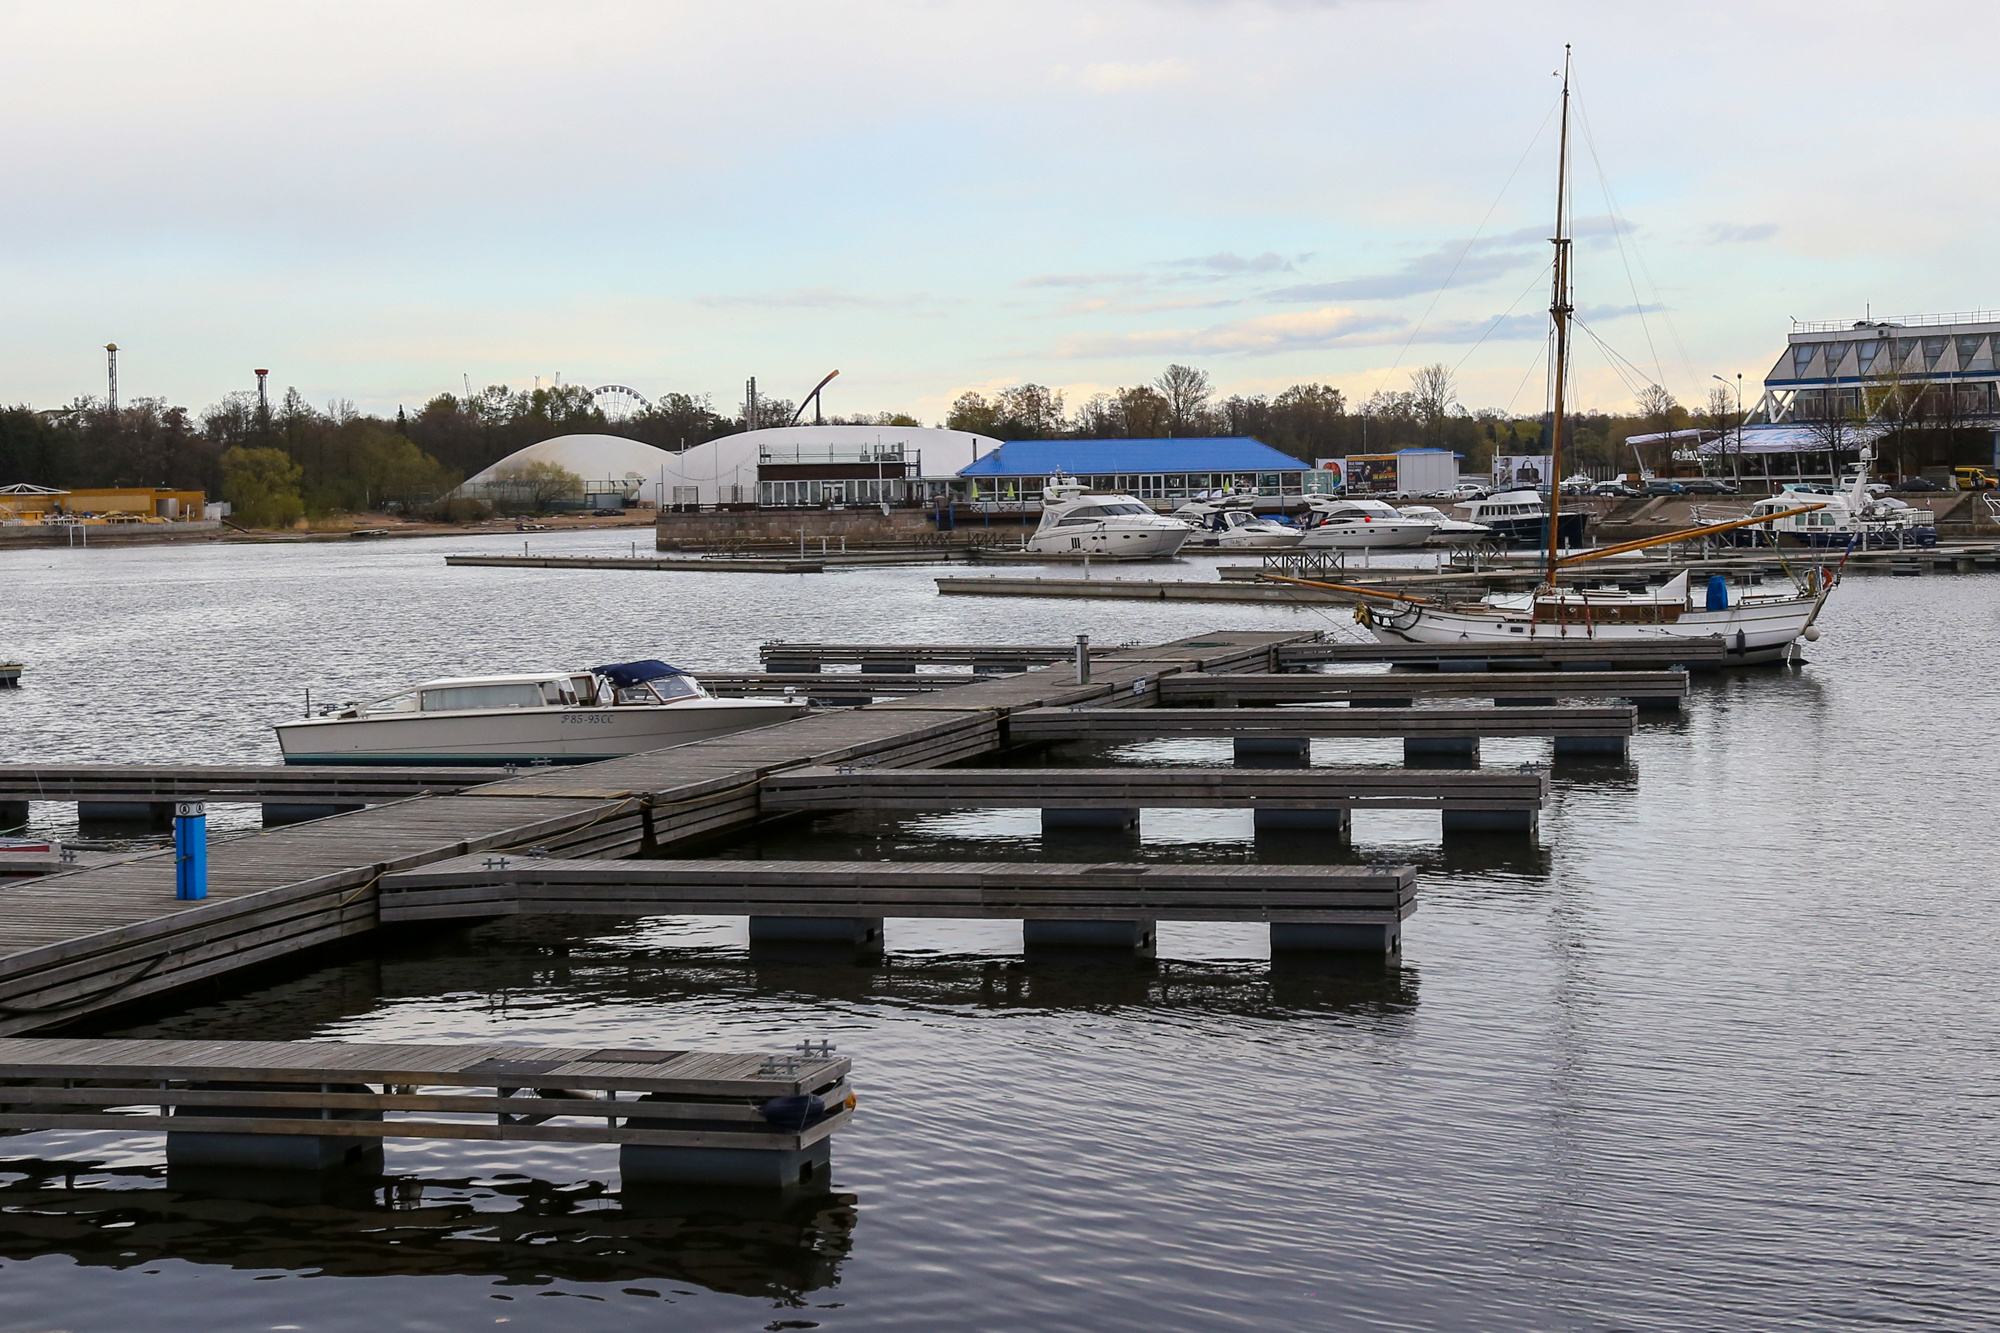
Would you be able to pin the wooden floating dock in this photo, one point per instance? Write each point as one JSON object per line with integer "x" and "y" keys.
{"x": 1577, "y": 730}
{"x": 132, "y": 791}
{"x": 1284, "y": 798}
{"x": 1157, "y": 590}
{"x": 93, "y": 939}
{"x": 1573, "y": 652}
{"x": 698, "y": 564}
{"x": 1647, "y": 688}
{"x": 680, "y": 1117}
{"x": 1367, "y": 903}
{"x": 807, "y": 657}
{"x": 10, "y": 675}
{"x": 833, "y": 683}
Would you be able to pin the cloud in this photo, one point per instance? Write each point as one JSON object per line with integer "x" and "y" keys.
{"x": 821, "y": 298}
{"x": 1465, "y": 263}
{"x": 1263, "y": 335}
{"x": 1729, "y": 232}
{"x": 1079, "y": 279}
{"x": 1227, "y": 262}
{"x": 1120, "y": 78}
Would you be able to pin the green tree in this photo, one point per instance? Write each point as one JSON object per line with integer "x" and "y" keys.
{"x": 262, "y": 487}
{"x": 538, "y": 483}
{"x": 971, "y": 412}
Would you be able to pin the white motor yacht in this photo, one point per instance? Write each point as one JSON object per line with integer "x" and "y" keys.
{"x": 1850, "y": 516}
{"x": 1353, "y": 525}
{"x": 1523, "y": 517}
{"x": 1449, "y": 531}
{"x": 549, "y": 717}
{"x": 1080, "y": 523}
{"x": 1231, "y": 524}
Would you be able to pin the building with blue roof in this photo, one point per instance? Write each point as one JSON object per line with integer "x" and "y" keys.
{"x": 1164, "y": 470}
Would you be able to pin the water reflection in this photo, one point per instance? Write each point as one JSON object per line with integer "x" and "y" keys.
{"x": 525, "y": 1232}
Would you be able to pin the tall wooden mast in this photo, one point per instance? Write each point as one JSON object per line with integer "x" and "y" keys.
{"x": 1559, "y": 313}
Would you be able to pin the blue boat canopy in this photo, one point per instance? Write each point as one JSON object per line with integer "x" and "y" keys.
{"x": 622, "y": 674}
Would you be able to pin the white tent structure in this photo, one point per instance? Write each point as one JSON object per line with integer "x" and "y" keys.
{"x": 607, "y": 465}
{"x": 725, "y": 470}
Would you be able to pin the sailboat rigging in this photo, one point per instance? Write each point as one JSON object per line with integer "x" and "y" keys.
{"x": 1755, "y": 626}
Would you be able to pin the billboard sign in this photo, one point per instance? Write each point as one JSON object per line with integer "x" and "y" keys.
{"x": 1371, "y": 473}
{"x": 1523, "y": 471}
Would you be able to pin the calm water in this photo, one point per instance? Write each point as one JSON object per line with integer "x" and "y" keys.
{"x": 1720, "y": 1054}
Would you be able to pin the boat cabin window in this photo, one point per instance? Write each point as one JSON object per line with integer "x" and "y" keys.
{"x": 585, "y": 687}
{"x": 451, "y": 698}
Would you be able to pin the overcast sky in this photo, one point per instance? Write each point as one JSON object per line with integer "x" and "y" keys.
{"x": 374, "y": 200}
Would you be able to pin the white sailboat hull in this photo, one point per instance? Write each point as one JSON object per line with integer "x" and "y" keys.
{"x": 554, "y": 735}
{"x": 1759, "y": 631}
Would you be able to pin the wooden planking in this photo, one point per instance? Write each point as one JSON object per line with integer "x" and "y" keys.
{"x": 1454, "y": 684}
{"x": 935, "y": 654}
{"x": 1110, "y": 724}
{"x": 230, "y": 782}
{"x": 683, "y": 1073}
{"x": 1002, "y": 890}
{"x": 1708, "y": 650}
{"x": 824, "y": 789}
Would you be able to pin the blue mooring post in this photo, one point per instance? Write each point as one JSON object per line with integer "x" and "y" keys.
{"x": 190, "y": 849}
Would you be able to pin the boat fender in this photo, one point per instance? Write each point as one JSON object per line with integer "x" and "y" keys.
{"x": 1812, "y": 634}
{"x": 794, "y": 1113}
{"x": 1718, "y": 593}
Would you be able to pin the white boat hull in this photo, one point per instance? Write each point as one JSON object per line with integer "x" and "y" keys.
{"x": 1129, "y": 544}
{"x": 1366, "y": 536}
{"x": 1755, "y": 631}
{"x": 557, "y": 735}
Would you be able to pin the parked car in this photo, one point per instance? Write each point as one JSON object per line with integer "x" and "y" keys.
{"x": 1661, "y": 486}
{"x": 1708, "y": 486}
{"x": 1919, "y": 484}
{"x": 1616, "y": 489}
{"x": 1466, "y": 490}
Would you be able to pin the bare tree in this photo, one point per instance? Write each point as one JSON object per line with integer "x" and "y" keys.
{"x": 1433, "y": 394}
{"x": 1722, "y": 418}
{"x": 539, "y": 483}
{"x": 1187, "y": 392}
{"x": 1029, "y": 411}
{"x": 1143, "y": 413}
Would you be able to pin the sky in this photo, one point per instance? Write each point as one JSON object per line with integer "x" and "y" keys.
{"x": 378, "y": 201}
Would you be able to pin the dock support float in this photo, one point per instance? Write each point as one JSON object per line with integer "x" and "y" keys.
{"x": 810, "y": 1167}
{"x": 1418, "y": 748}
{"x": 1594, "y": 747}
{"x": 1262, "y": 751}
{"x": 1313, "y": 937}
{"x": 13, "y": 814}
{"x": 1065, "y": 819}
{"x": 1492, "y": 821}
{"x": 124, "y": 812}
{"x": 859, "y": 931}
{"x": 1140, "y": 938}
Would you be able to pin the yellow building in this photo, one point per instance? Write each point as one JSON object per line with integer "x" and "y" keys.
{"x": 33, "y": 504}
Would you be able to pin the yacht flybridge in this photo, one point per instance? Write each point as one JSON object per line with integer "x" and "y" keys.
{"x": 548, "y": 717}
{"x": 1079, "y": 523}
{"x": 1754, "y": 627}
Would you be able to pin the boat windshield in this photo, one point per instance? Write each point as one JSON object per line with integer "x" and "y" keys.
{"x": 659, "y": 690}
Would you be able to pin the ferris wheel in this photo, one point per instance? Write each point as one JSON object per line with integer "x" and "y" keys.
{"x": 618, "y": 402}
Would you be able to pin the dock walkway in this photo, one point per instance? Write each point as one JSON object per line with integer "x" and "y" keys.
{"x": 91, "y": 939}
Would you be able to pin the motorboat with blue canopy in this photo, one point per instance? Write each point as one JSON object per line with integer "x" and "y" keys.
{"x": 544, "y": 717}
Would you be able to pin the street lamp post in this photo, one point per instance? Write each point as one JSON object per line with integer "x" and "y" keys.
{"x": 1736, "y": 459}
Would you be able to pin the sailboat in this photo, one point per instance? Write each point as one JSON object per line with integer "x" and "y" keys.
{"x": 1755, "y": 627}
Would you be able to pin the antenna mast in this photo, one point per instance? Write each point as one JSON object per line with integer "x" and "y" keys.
{"x": 1559, "y": 312}
{"x": 111, "y": 357}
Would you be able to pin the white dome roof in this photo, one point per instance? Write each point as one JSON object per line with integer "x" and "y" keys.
{"x": 590, "y": 457}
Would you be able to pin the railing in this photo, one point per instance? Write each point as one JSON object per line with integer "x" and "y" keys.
{"x": 1900, "y": 321}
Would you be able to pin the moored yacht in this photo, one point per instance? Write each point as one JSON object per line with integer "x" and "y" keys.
{"x": 1449, "y": 531}
{"x": 1079, "y": 523}
{"x": 1232, "y": 524}
{"x": 545, "y": 717}
{"x": 1848, "y": 516}
{"x": 1353, "y": 525}
{"x": 1522, "y": 518}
